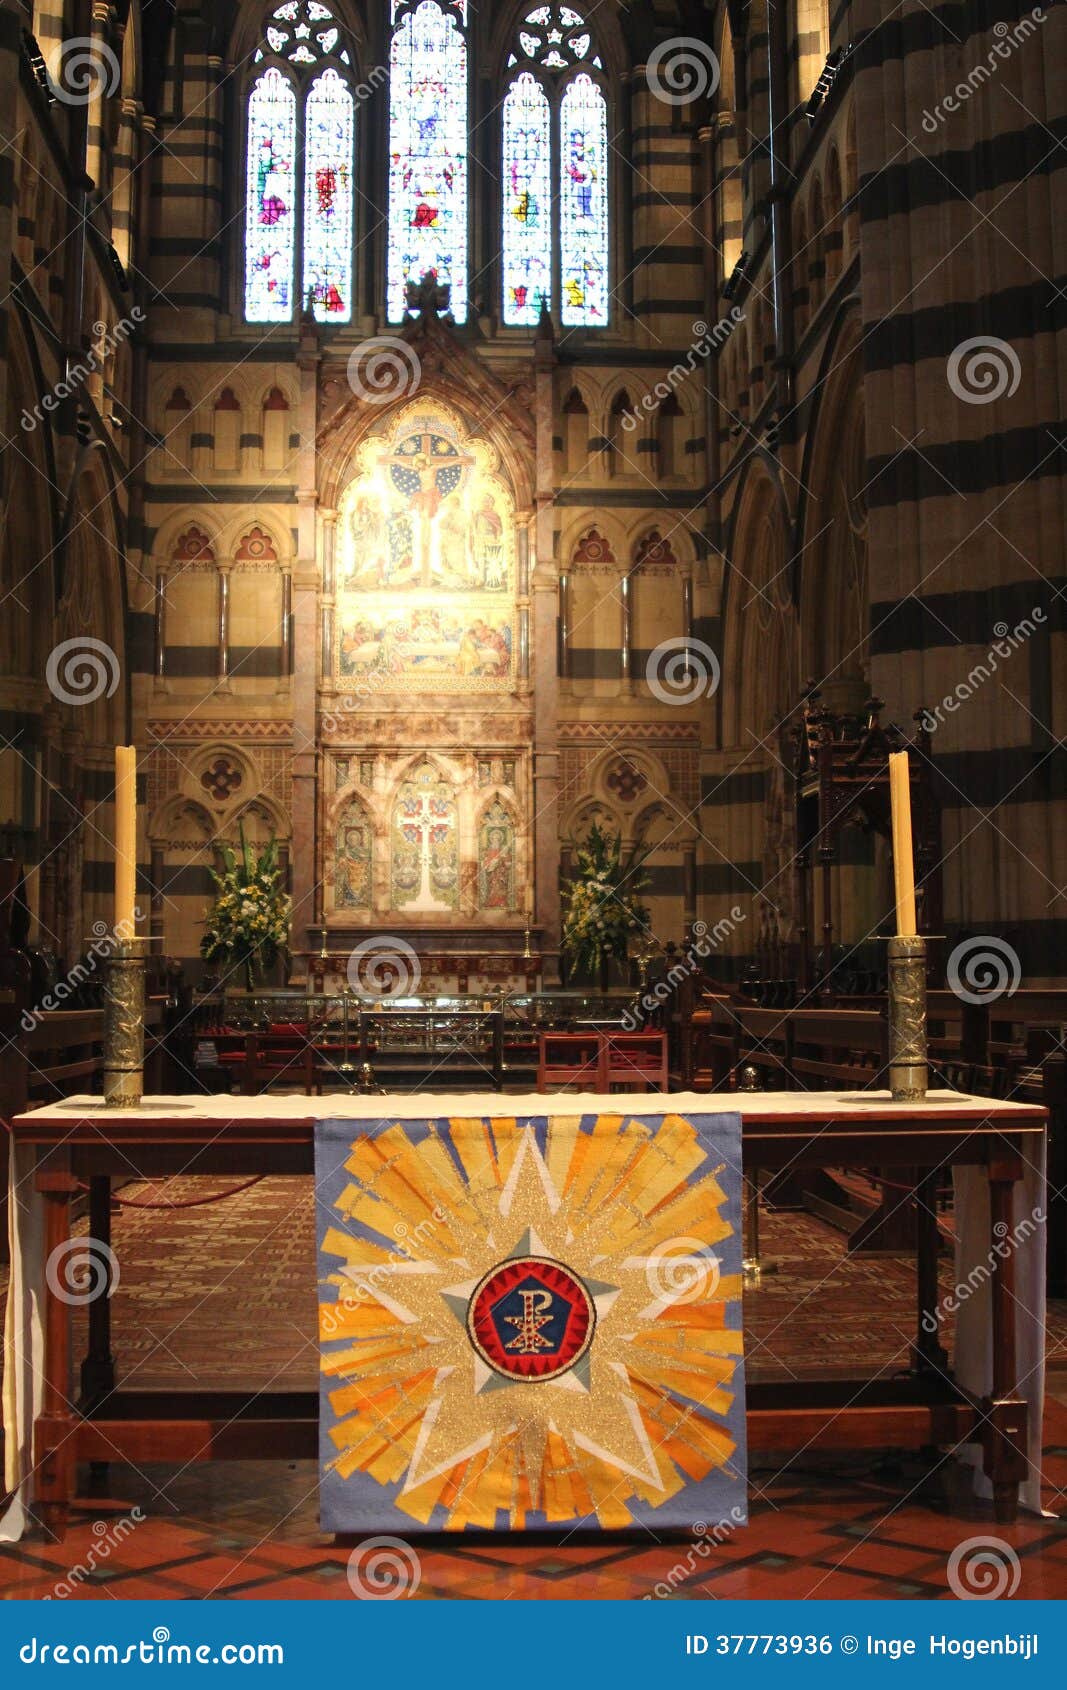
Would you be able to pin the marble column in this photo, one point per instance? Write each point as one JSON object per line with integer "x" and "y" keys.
{"x": 159, "y": 664}
{"x": 544, "y": 635}
{"x": 155, "y": 913}
{"x": 222, "y": 635}
{"x": 306, "y": 651}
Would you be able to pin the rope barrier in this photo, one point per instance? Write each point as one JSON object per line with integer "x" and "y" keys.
{"x": 186, "y": 1202}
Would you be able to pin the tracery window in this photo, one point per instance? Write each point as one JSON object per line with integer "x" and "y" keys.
{"x": 428, "y": 139}
{"x": 300, "y": 160}
{"x": 555, "y": 238}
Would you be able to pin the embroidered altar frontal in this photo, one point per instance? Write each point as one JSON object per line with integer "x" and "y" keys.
{"x": 531, "y": 1322}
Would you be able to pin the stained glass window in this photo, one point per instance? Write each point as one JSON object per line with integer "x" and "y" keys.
{"x": 555, "y": 179}
{"x": 270, "y": 230}
{"x": 428, "y": 155}
{"x": 527, "y": 244}
{"x": 329, "y": 124}
{"x": 583, "y": 211}
{"x": 301, "y": 155}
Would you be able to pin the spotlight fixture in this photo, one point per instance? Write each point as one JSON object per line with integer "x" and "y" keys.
{"x": 34, "y": 58}
{"x": 827, "y": 77}
{"x": 736, "y": 276}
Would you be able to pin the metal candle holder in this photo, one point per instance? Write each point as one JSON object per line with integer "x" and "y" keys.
{"x": 124, "y": 986}
{"x": 908, "y": 1070}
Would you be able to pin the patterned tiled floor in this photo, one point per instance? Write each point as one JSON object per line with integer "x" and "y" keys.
{"x": 223, "y": 1296}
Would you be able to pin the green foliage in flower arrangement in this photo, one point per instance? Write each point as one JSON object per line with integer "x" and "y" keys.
{"x": 600, "y": 905}
{"x": 249, "y": 925}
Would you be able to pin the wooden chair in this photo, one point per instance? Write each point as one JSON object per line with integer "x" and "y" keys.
{"x": 633, "y": 1060}
{"x": 568, "y": 1059}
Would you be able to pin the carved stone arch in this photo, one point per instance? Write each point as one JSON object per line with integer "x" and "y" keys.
{"x": 659, "y": 584}
{"x": 799, "y": 278}
{"x": 833, "y": 240}
{"x": 850, "y": 186}
{"x": 373, "y": 802}
{"x": 501, "y": 855}
{"x": 354, "y": 831}
{"x": 578, "y": 405}
{"x": 176, "y": 820}
{"x": 759, "y": 659}
{"x": 597, "y": 545}
{"x": 593, "y": 562}
{"x": 816, "y": 245}
{"x": 425, "y": 823}
{"x": 261, "y": 816}
{"x": 183, "y": 843}
{"x": 453, "y": 383}
{"x": 258, "y": 546}
{"x": 167, "y": 545}
{"x": 579, "y": 817}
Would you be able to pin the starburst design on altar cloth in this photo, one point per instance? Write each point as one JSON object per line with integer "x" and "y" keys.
{"x": 513, "y": 1331}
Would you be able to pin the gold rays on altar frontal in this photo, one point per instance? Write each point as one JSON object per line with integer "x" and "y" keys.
{"x": 629, "y": 1216}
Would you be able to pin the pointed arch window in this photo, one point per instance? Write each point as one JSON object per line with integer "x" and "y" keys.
{"x": 555, "y": 235}
{"x": 428, "y": 138}
{"x": 301, "y": 138}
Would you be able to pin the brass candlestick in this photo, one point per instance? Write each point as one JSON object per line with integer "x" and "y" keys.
{"x": 124, "y": 972}
{"x": 908, "y": 1070}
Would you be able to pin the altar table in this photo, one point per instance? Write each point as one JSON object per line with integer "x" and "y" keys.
{"x": 991, "y": 1398}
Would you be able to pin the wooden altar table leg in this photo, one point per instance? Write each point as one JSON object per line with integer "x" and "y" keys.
{"x": 53, "y": 1432}
{"x": 930, "y": 1356}
{"x": 98, "y": 1364}
{"x": 1004, "y": 1434}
